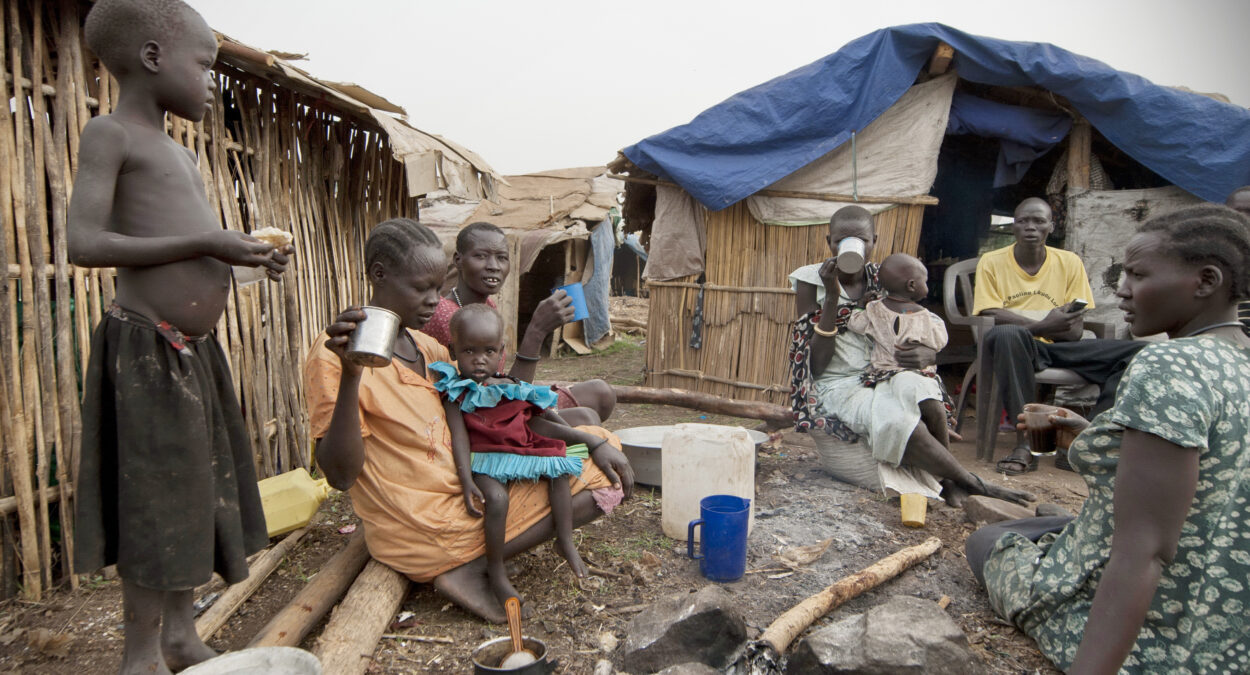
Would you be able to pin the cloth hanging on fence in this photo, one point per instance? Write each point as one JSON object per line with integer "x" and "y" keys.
{"x": 599, "y": 287}
{"x": 678, "y": 236}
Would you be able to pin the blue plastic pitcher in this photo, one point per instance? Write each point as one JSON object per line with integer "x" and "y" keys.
{"x": 578, "y": 295}
{"x": 723, "y": 555}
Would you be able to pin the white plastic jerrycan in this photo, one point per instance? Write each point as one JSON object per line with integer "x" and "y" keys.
{"x": 699, "y": 460}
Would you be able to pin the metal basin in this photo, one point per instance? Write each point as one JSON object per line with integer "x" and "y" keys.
{"x": 642, "y": 445}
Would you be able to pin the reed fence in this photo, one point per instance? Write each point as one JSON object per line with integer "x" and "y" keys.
{"x": 269, "y": 156}
{"x": 748, "y": 307}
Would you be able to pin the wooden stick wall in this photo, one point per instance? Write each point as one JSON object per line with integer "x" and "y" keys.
{"x": 748, "y": 307}
{"x": 268, "y": 157}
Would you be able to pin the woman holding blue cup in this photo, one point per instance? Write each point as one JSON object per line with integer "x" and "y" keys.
{"x": 482, "y": 264}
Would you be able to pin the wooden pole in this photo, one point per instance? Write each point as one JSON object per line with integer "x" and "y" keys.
{"x": 289, "y": 626}
{"x": 347, "y": 644}
{"x": 1078, "y": 155}
{"x": 216, "y": 616}
{"x": 781, "y": 633}
{"x": 760, "y": 410}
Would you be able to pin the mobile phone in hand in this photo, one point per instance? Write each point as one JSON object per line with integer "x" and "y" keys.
{"x": 1077, "y": 305}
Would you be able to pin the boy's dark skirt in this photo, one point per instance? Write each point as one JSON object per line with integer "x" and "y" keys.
{"x": 165, "y": 486}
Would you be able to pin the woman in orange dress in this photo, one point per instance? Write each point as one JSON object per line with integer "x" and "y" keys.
{"x": 382, "y": 434}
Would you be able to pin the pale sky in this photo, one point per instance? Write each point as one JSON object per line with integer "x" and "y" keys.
{"x": 542, "y": 85}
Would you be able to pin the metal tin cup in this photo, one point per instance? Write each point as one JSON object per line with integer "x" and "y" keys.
{"x": 851, "y": 255}
{"x": 373, "y": 341}
{"x": 246, "y": 276}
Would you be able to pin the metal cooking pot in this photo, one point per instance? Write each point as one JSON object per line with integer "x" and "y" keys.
{"x": 487, "y": 656}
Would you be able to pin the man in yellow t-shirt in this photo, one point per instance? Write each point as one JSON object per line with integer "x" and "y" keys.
{"x": 1038, "y": 295}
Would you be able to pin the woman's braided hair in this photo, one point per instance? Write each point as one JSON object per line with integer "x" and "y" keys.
{"x": 1210, "y": 234}
{"x": 394, "y": 242}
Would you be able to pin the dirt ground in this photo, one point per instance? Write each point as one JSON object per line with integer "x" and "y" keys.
{"x": 796, "y": 504}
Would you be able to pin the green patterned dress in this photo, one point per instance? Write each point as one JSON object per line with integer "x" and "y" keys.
{"x": 1195, "y": 393}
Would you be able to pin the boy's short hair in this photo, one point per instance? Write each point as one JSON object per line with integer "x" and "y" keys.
{"x": 465, "y": 237}
{"x": 477, "y": 310}
{"x": 115, "y": 30}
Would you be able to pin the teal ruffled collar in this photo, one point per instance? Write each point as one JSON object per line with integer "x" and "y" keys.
{"x": 472, "y": 395}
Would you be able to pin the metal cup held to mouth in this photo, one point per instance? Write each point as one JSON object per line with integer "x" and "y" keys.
{"x": 373, "y": 341}
{"x": 851, "y": 255}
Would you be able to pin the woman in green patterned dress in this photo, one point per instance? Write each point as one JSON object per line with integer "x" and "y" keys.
{"x": 1153, "y": 575}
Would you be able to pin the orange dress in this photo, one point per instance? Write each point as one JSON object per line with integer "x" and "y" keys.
{"x": 408, "y": 492}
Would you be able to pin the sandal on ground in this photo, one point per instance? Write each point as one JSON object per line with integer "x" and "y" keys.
{"x": 1061, "y": 461}
{"x": 1011, "y": 464}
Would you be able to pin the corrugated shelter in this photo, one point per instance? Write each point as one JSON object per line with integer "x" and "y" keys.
{"x": 548, "y": 218}
{"x": 893, "y": 121}
{"x": 280, "y": 148}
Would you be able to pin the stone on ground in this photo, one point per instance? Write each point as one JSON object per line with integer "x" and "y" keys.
{"x": 982, "y": 509}
{"x": 705, "y": 627}
{"x": 690, "y": 669}
{"x": 903, "y": 635}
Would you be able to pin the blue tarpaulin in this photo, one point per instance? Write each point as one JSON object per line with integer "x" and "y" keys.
{"x": 765, "y": 133}
{"x": 1024, "y": 133}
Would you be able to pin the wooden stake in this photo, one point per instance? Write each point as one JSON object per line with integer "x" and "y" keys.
{"x": 347, "y": 644}
{"x": 759, "y": 410}
{"x": 289, "y": 626}
{"x": 788, "y": 626}
{"x": 216, "y": 616}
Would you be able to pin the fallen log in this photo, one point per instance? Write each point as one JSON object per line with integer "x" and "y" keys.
{"x": 763, "y": 656}
{"x": 760, "y": 410}
{"x": 289, "y": 626}
{"x": 347, "y": 644}
{"x": 216, "y": 616}
{"x": 781, "y": 633}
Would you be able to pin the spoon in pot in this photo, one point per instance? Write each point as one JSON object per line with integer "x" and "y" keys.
{"x": 520, "y": 656}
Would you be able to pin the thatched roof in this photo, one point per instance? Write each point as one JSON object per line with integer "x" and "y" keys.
{"x": 431, "y": 162}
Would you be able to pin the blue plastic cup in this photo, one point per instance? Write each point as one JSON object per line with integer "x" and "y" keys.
{"x": 723, "y": 546}
{"x": 578, "y": 296}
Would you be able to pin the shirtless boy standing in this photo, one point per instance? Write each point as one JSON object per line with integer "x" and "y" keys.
{"x": 165, "y": 486}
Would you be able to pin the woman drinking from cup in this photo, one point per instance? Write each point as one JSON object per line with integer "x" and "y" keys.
{"x": 382, "y": 433}
{"x": 1151, "y": 575}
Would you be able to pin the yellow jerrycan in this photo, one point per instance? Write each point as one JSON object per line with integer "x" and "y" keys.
{"x": 291, "y": 499}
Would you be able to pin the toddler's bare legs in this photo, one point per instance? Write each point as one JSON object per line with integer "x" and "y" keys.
{"x": 141, "y": 612}
{"x": 562, "y": 515}
{"x": 495, "y": 523}
{"x": 180, "y": 644}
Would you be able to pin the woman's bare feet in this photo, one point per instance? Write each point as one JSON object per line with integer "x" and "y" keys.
{"x": 953, "y": 493}
{"x": 999, "y": 492}
{"x": 468, "y": 587}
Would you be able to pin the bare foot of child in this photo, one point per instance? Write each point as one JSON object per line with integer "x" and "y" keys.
{"x": 569, "y": 551}
{"x": 185, "y": 653}
{"x": 501, "y": 586}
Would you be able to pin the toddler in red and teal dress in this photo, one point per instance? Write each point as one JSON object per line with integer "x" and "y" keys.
{"x": 503, "y": 430}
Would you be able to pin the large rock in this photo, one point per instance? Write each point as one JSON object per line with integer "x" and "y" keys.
{"x": 903, "y": 635}
{"x": 706, "y": 627}
{"x": 690, "y": 669}
{"x": 982, "y": 509}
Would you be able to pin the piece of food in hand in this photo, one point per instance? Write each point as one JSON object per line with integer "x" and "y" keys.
{"x": 274, "y": 236}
